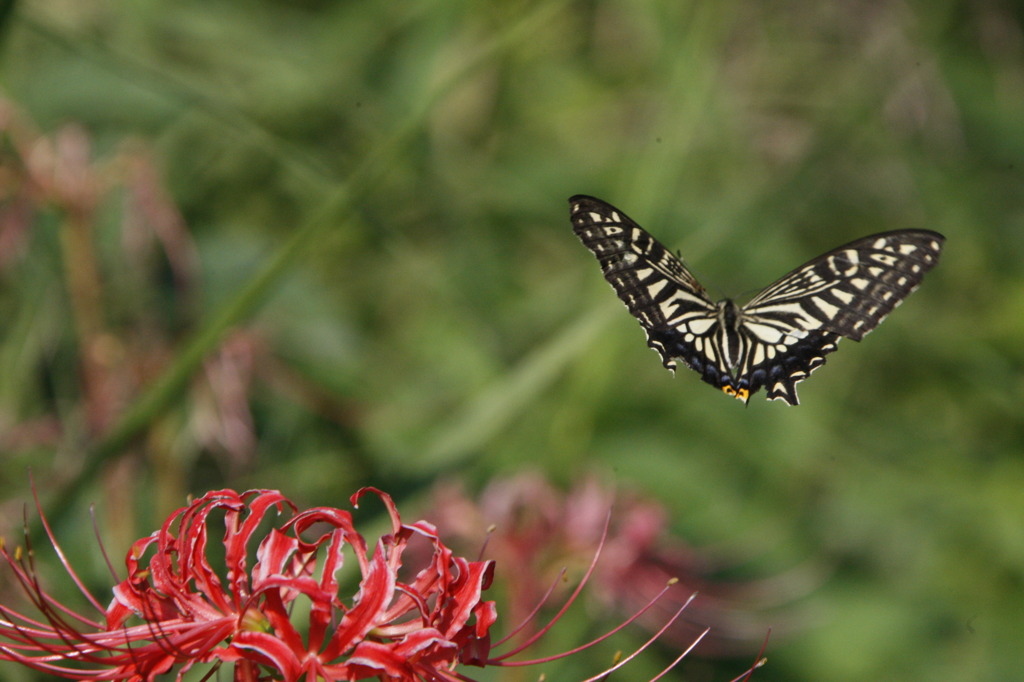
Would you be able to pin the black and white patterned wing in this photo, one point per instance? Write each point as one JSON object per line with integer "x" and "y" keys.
{"x": 796, "y": 321}
{"x": 655, "y": 285}
{"x": 779, "y": 337}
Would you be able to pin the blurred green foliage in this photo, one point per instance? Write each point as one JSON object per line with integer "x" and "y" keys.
{"x": 376, "y": 198}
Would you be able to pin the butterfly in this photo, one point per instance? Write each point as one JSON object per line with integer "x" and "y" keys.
{"x": 784, "y": 333}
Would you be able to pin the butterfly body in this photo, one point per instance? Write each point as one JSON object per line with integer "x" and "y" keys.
{"x": 784, "y": 333}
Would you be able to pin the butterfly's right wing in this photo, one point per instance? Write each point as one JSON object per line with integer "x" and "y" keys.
{"x": 798, "y": 319}
{"x": 656, "y": 287}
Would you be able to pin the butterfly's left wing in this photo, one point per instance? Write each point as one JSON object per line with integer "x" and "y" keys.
{"x": 655, "y": 285}
{"x": 798, "y": 319}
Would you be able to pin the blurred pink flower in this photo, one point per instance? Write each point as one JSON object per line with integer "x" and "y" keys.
{"x": 284, "y": 615}
{"x": 59, "y": 178}
{"x": 539, "y": 529}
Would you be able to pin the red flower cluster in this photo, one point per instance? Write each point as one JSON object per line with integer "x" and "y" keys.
{"x": 276, "y": 610}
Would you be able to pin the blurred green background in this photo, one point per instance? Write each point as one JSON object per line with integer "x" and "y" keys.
{"x": 316, "y": 245}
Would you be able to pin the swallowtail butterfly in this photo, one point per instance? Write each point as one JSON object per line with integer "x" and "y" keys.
{"x": 779, "y": 337}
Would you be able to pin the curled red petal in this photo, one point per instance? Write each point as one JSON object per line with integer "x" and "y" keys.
{"x": 263, "y": 649}
{"x": 396, "y": 522}
{"x": 375, "y": 591}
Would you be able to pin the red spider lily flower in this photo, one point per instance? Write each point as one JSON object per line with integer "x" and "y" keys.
{"x": 276, "y": 609}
